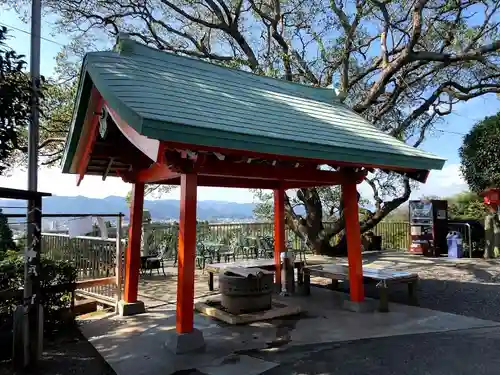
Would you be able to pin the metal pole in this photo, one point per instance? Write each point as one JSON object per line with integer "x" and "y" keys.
{"x": 32, "y": 260}
{"x": 33, "y": 128}
{"x": 118, "y": 261}
{"x": 467, "y": 225}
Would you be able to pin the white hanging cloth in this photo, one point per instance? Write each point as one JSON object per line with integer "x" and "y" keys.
{"x": 102, "y": 227}
{"x": 80, "y": 226}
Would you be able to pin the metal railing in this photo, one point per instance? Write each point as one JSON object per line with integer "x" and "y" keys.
{"x": 395, "y": 235}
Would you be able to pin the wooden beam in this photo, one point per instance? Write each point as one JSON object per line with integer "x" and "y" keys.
{"x": 353, "y": 236}
{"x": 156, "y": 173}
{"x": 358, "y": 178}
{"x": 108, "y": 169}
{"x": 95, "y": 106}
{"x": 186, "y": 254}
{"x": 237, "y": 182}
{"x": 309, "y": 176}
{"x": 10, "y": 193}
{"x": 264, "y": 155}
{"x": 164, "y": 177}
{"x": 95, "y": 282}
{"x": 279, "y": 232}
{"x": 133, "y": 254}
{"x": 148, "y": 146}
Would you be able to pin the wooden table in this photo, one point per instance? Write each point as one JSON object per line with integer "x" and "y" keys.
{"x": 383, "y": 277}
{"x": 266, "y": 264}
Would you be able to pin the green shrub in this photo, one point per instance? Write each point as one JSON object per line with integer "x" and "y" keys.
{"x": 53, "y": 273}
{"x": 6, "y": 236}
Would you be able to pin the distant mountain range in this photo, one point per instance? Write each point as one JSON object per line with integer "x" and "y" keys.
{"x": 160, "y": 209}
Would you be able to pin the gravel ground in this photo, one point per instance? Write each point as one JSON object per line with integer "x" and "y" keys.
{"x": 470, "y": 288}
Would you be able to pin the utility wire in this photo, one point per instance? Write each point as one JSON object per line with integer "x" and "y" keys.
{"x": 28, "y": 33}
{"x": 449, "y": 132}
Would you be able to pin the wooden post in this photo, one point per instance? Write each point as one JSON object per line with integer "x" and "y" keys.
{"x": 279, "y": 231}
{"x": 133, "y": 255}
{"x": 353, "y": 236}
{"x": 186, "y": 254}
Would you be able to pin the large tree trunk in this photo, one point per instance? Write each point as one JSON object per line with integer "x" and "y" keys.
{"x": 318, "y": 237}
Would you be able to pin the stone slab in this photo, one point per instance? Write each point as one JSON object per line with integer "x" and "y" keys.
{"x": 238, "y": 364}
{"x": 367, "y": 306}
{"x": 182, "y": 343}
{"x": 279, "y": 309}
{"x": 131, "y": 308}
{"x": 135, "y": 345}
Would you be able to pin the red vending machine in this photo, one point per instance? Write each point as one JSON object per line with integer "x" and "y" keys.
{"x": 429, "y": 227}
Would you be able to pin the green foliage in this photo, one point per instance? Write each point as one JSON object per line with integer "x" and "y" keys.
{"x": 53, "y": 273}
{"x": 264, "y": 209}
{"x": 479, "y": 154}
{"x": 466, "y": 205}
{"x": 15, "y": 97}
{"x": 6, "y": 237}
{"x": 57, "y": 109}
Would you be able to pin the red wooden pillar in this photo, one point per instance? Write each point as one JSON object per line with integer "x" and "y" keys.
{"x": 186, "y": 254}
{"x": 133, "y": 255}
{"x": 279, "y": 230}
{"x": 353, "y": 236}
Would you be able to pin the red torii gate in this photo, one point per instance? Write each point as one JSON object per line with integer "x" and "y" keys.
{"x": 116, "y": 133}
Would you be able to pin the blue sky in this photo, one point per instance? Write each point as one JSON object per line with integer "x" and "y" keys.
{"x": 444, "y": 142}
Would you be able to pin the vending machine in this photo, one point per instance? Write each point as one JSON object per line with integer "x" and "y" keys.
{"x": 429, "y": 227}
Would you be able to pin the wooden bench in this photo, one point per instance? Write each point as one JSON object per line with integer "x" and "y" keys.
{"x": 383, "y": 277}
{"x": 265, "y": 264}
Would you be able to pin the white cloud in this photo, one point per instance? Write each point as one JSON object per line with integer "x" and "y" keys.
{"x": 444, "y": 183}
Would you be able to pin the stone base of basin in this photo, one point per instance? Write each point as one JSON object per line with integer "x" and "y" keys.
{"x": 213, "y": 308}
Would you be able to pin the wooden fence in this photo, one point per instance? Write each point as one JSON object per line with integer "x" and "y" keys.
{"x": 94, "y": 259}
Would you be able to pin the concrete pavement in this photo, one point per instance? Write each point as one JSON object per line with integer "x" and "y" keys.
{"x": 135, "y": 345}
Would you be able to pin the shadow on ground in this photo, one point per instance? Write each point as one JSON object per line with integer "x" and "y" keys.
{"x": 464, "y": 352}
{"x": 67, "y": 353}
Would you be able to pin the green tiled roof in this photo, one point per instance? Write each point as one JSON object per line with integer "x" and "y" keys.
{"x": 175, "y": 98}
